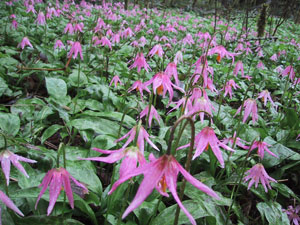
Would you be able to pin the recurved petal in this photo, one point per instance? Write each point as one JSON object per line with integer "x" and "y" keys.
{"x": 18, "y": 165}
{"x": 54, "y": 190}
{"x": 45, "y": 184}
{"x": 6, "y": 200}
{"x": 67, "y": 186}
{"x": 5, "y": 164}
{"x": 109, "y": 159}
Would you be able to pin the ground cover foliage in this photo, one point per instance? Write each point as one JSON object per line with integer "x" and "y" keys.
{"x": 79, "y": 144}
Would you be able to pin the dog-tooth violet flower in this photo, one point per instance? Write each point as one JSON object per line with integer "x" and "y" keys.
{"x": 152, "y": 113}
{"x": 293, "y": 214}
{"x": 250, "y": 107}
{"x": 115, "y": 81}
{"x": 58, "y": 179}
{"x": 228, "y": 87}
{"x": 161, "y": 174}
{"x": 140, "y": 62}
{"x": 139, "y": 86}
{"x": 140, "y": 139}
{"x": 261, "y": 148}
{"x": 258, "y": 173}
{"x": 206, "y": 138}
{"x": 130, "y": 155}
{"x": 75, "y": 49}
{"x": 156, "y": 50}
{"x": 9, "y": 203}
{"x": 58, "y": 44}
{"x": 25, "y": 41}
{"x": 265, "y": 96}
{"x": 7, "y": 157}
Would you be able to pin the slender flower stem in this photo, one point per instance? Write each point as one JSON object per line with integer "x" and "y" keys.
{"x": 187, "y": 163}
{"x": 78, "y": 78}
{"x": 122, "y": 119}
{"x": 149, "y": 108}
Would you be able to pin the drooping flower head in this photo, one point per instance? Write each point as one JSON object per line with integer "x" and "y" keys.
{"x": 293, "y": 214}
{"x": 238, "y": 141}
{"x": 25, "y": 41}
{"x": 156, "y": 50}
{"x": 58, "y": 44}
{"x": 265, "y": 96}
{"x": 222, "y": 52}
{"x": 41, "y": 19}
{"x": 152, "y": 113}
{"x": 7, "y": 157}
{"x": 258, "y": 173}
{"x": 75, "y": 49}
{"x": 228, "y": 87}
{"x": 238, "y": 67}
{"x": 250, "y": 107}
{"x": 58, "y": 179}
{"x": 115, "y": 80}
{"x": 9, "y": 203}
{"x": 171, "y": 70}
{"x": 139, "y": 86}
{"x": 261, "y": 148}
{"x": 161, "y": 174}
{"x": 140, "y": 62}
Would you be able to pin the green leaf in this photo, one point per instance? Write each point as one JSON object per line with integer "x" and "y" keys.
{"x": 272, "y": 211}
{"x": 84, "y": 207}
{"x": 47, "y": 220}
{"x": 3, "y": 86}
{"x": 50, "y": 131}
{"x": 9, "y": 123}
{"x": 73, "y": 78}
{"x": 57, "y": 88}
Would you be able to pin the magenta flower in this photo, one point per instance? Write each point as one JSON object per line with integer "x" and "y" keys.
{"x": 265, "y": 96}
{"x": 206, "y": 138}
{"x": 140, "y": 140}
{"x": 14, "y": 24}
{"x": 261, "y": 148}
{"x": 79, "y": 27}
{"x": 69, "y": 29}
{"x": 156, "y": 50}
{"x": 260, "y": 65}
{"x": 153, "y": 112}
{"x": 238, "y": 67}
{"x": 258, "y": 173}
{"x": 139, "y": 86}
{"x": 228, "y": 88}
{"x": 41, "y": 18}
{"x": 250, "y": 107}
{"x": 222, "y": 52}
{"x": 238, "y": 141}
{"x": 104, "y": 41}
{"x": 115, "y": 80}
{"x": 131, "y": 156}
{"x": 58, "y": 44}
{"x": 161, "y": 174}
{"x": 162, "y": 84}
{"x": 171, "y": 70}
{"x": 30, "y": 8}
{"x": 76, "y": 48}
{"x": 140, "y": 62}
{"x": 9, "y": 203}
{"x": 274, "y": 57}
{"x": 7, "y": 157}
{"x": 289, "y": 70}
{"x": 293, "y": 214}
{"x": 58, "y": 179}
{"x": 25, "y": 41}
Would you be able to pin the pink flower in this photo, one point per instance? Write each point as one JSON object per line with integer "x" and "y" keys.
{"x": 140, "y": 62}
{"x": 221, "y": 51}
{"x": 171, "y": 70}
{"x": 116, "y": 38}
{"x": 162, "y": 84}
{"x": 153, "y": 112}
{"x": 79, "y": 27}
{"x": 228, "y": 87}
{"x": 289, "y": 70}
{"x": 14, "y": 24}
{"x": 59, "y": 44}
{"x": 238, "y": 67}
{"x": 57, "y": 178}
{"x": 140, "y": 139}
{"x": 258, "y": 173}
{"x": 238, "y": 141}
{"x": 76, "y": 48}
{"x": 6, "y": 200}
{"x": 178, "y": 57}
{"x": 41, "y": 19}
{"x": 188, "y": 40}
{"x": 104, "y": 42}
{"x": 156, "y": 50}
{"x": 139, "y": 86}
{"x": 69, "y": 29}
{"x": 7, "y": 157}
{"x": 161, "y": 174}
{"x": 293, "y": 214}
{"x": 274, "y": 57}
{"x": 25, "y": 41}
{"x": 265, "y": 96}
{"x": 206, "y": 138}
{"x": 116, "y": 80}
{"x": 250, "y": 107}
{"x": 260, "y": 65}
{"x": 261, "y": 148}
{"x": 30, "y": 8}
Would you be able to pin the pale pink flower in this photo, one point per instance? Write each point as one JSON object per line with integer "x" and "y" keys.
{"x": 274, "y": 57}
{"x": 127, "y": 33}
{"x": 75, "y": 49}
{"x": 115, "y": 80}
{"x": 265, "y": 96}
{"x": 261, "y": 148}
{"x": 140, "y": 62}
{"x": 161, "y": 174}
{"x": 58, "y": 179}
{"x": 156, "y": 50}
{"x": 188, "y": 40}
{"x": 293, "y": 214}
{"x": 222, "y": 52}
{"x": 289, "y": 70}
{"x": 78, "y": 27}
{"x": 171, "y": 70}
{"x": 250, "y": 107}
{"x": 140, "y": 139}
{"x": 115, "y": 38}
{"x": 59, "y": 44}
{"x": 238, "y": 141}
{"x": 131, "y": 155}
{"x": 25, "y": 41}
{"x": 239, "y": 47}
{"x": 260, "y": 65}
{"x": 139, "y": 86}
{"x": 9, "y": 203}
{"x": 152, "y": 113}
{"x": 30, "y": 8}
{"x": 258, "y": 173}
{"x": 178, "y": 57}
{"x": 162, "y": 84}
{"x": 228, "y": 87}
{"x": 238, "y": 67}
{"x": 41, "y": 18}
{"x": 69, "y": 29}
{"x": 104, "y": 42}
{"x": 14, "y": 24}
{"x": 7, "y": 157}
